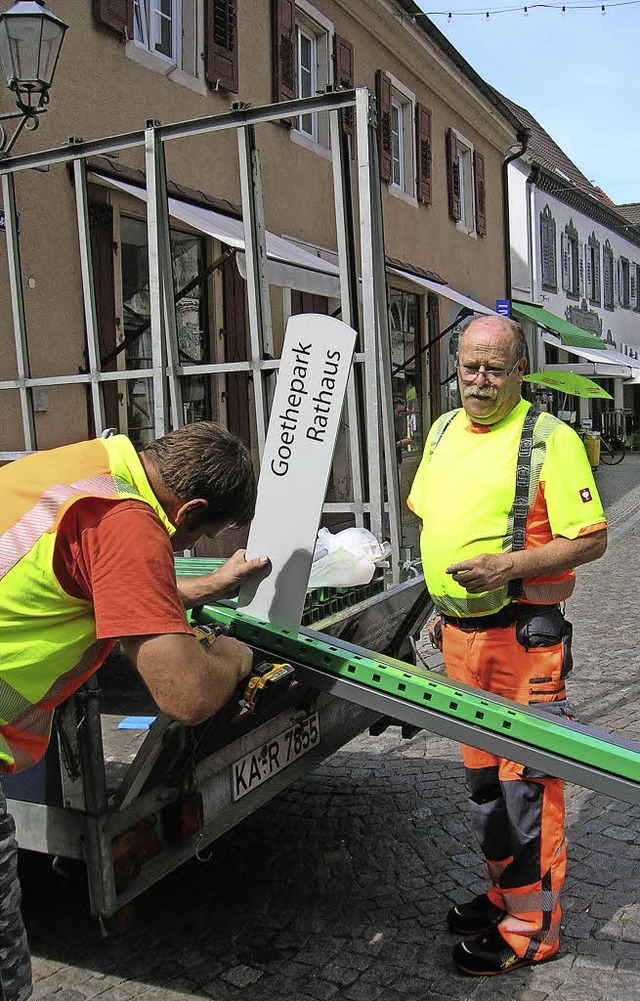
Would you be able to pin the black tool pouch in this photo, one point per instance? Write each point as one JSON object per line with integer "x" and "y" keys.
{"x": 567, "y": 656}
{"x": 540, "y": 627}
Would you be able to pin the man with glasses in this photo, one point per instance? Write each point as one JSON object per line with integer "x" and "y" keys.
{"x": 509, "y": 507}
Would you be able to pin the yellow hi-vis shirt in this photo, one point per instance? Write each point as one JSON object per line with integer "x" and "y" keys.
{"x": 464, "y": 492}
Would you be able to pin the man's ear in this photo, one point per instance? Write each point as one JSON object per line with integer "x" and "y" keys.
{"x": 192, "y": 512}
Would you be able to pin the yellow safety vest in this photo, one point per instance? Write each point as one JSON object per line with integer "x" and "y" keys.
{"x": 48, "y": 644}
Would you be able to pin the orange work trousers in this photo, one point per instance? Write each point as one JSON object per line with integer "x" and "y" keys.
{"x": 518, "y": 812}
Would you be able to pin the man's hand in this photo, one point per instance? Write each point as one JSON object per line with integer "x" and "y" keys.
{"x": 483, "y": 573}
{"x": 435, "y": 633}
{"x": 222, "y": 583}
{"x": 488, "y": 571}
{"x": 187, "y": 681}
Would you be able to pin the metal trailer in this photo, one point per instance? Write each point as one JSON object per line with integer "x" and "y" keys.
{"x": 133, "y": 805}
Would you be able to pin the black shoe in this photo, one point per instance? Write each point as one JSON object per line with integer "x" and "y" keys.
{"x": 476, "y": 916}
{"x": 488, "y": 954}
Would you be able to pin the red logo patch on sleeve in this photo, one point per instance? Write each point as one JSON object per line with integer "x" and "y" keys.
{"x": 585, "y": 494}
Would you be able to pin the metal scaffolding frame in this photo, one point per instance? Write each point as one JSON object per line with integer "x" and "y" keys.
{"x": 362, "y": 288}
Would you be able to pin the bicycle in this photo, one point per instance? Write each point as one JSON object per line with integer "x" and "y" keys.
{"x": 612, "y": 449}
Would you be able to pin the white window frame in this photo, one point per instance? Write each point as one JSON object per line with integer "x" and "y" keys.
{"x": 188, "y": 67}
{"x": 147, "y": 17}
{"x": 314, "y": 26}
{"x": 467, "y": 220}
{"x": 403, "y": 103}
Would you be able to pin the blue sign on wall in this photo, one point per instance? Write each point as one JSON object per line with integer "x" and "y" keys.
{"x": 503, "y": 307}
{"x": 3, "y": 225}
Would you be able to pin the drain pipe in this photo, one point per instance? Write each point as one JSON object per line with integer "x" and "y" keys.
{"x": 523, "y": 139}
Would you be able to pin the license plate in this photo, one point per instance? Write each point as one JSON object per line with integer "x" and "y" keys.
{"x": 262, "y": 764}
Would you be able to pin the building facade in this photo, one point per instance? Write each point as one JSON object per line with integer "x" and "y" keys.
{"x": 577, "y": 257}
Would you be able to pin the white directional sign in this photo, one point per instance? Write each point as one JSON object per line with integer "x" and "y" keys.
{"x": 305, "y": 416}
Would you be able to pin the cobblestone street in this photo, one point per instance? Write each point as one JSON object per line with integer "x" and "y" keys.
{"x": 338, "y": 889}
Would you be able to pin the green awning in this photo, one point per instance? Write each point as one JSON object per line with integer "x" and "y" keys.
{"x": 568, "y": 333}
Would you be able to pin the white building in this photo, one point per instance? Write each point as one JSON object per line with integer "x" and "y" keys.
{"x": 575, "y": 274}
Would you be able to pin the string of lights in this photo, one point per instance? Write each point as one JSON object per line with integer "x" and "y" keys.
{"x": 564, "y": 8}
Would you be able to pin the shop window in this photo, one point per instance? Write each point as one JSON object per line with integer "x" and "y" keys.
{"x": 570, "y": 261}
{"x": 548, "y": 250}
{"x": 607, "y": 276}
{"x": 405, "y": 334}
{"x": 188, "y": 260}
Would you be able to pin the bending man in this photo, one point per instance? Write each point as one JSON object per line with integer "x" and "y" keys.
{"x": 498, "y": 561}
{"x": 87, "y": 535}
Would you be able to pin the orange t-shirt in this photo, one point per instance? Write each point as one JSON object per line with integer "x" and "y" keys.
{"x": 118, "y": 556}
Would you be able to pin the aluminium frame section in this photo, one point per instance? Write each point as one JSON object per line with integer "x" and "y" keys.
{"x": 258, "y": 294}
{"x": 349, "y": 311}
{"x": 88, "y": 292}
{"x": 17, "y": 308}
{"x": 166, "y": 363}
{"x": 168, "y": 410}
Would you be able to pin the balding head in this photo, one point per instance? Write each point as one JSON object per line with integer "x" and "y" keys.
{"x": 491, "y": 361}
{"x": 502, "y": 325}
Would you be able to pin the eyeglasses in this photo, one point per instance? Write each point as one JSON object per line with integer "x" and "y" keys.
{"x": 469, "y": 373}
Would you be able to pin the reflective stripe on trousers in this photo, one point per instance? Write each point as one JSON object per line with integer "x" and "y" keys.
{"x": 518, "y": 813}
{"x": 15, "y": 961}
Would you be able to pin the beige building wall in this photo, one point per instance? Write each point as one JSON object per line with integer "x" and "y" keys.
{"x": 108, "y": 86}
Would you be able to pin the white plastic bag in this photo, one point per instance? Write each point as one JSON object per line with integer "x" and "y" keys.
{"x": 346, "y": 559}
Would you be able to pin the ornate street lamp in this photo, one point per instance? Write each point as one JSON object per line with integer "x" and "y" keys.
{"x": 30, "y": 41}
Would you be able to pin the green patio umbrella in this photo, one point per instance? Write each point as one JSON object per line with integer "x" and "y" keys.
{"x": 568, "y": 382}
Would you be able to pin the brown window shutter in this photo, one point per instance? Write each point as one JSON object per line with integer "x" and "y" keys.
{"x": 423, "y": 146}
{"x": 115, "y": 14}
{"x": 343, "y": 76}
{"x": 284, "y": 50}
{"x": 221, "y": 43}
{"x": 383, "y": 99}
{"x": 481, "y": 196}
{"x": 453, "y": 175}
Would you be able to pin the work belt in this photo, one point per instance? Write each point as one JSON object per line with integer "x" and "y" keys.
{"x": 499, "y": 620}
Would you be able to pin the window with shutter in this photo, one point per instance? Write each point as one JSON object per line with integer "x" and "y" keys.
{"x": 344, "y": 77}
{"x": 396, "y": 126}
{"x": 633, "y": 286}
{"x": 453, "y": 175}
{"x": 302, "y": 50}
{"x": 461, "y": 182}
{"x": 592, "y": 270}
{"x": 588, "y": 273}
{"x": 624, "y": 283}
{"x": 548, "y": 250}
{"x": 284, "y": 50}
{"x": 607, "y": 276}
{"x": 423, "y": 151}
{"x": 383, "y": 110}
{"x": 115, "y": 14}
{"x": 480, "y": 193}
{"x": 221, "y": 44}
{"x": 571, "y": 278}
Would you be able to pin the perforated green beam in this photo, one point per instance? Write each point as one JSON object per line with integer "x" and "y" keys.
{"x": 568, "y": 741}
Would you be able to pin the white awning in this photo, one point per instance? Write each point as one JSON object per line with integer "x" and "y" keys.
{"x": 444, "y": 290}
{"x": 608, "y": 363}
{"x": 288, "y": 265}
